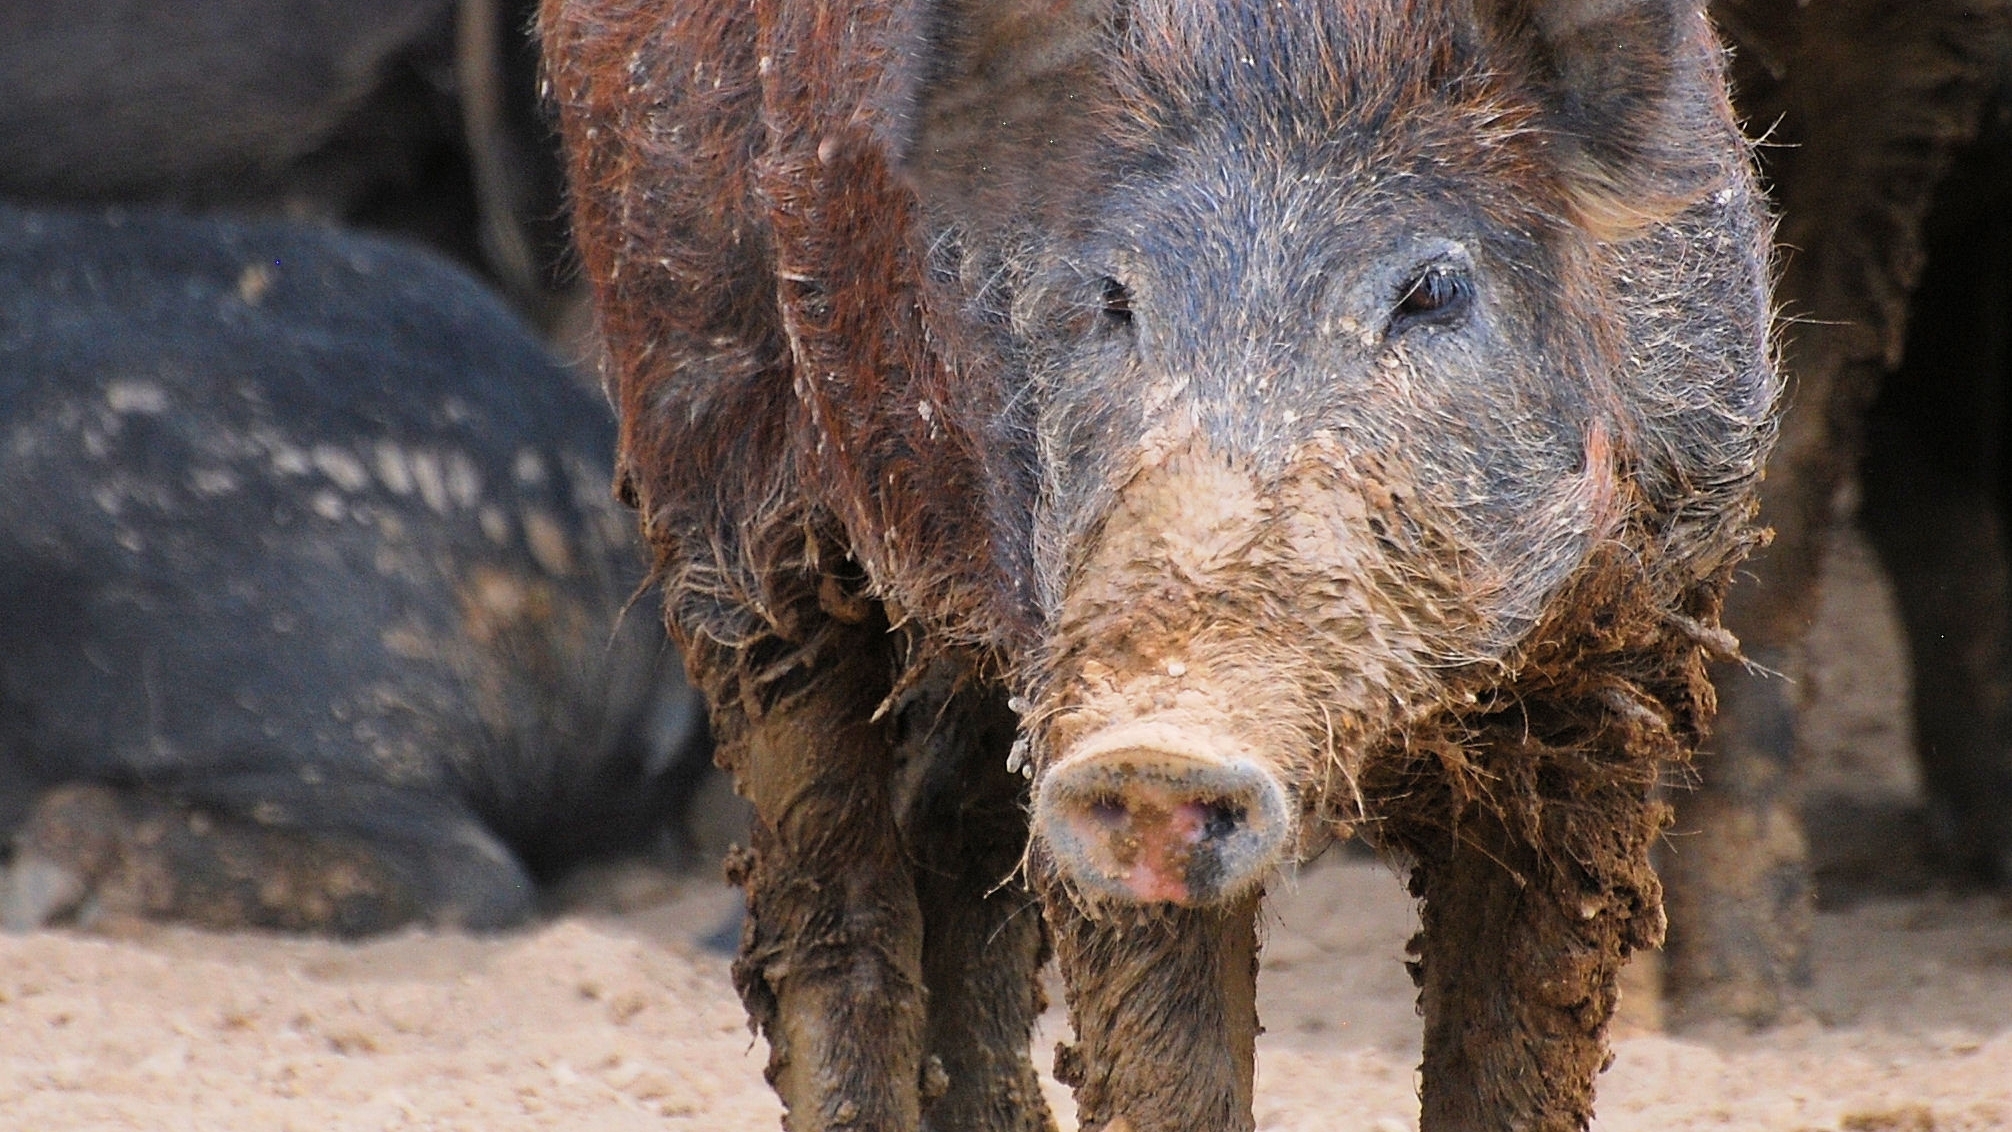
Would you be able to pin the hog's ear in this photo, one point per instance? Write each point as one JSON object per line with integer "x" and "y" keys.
{"x": 1634, "y": 90}
{"x": 989, "y": 98}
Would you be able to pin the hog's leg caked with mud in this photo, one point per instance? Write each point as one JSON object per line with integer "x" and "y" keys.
{"x": 831, "y": 954}
{"x": 1515, "y": 992}
{"x": 1307, "y": 419}
{"x": 881, "y": 877}
{"x": 1526, "y": 924}
{"x": 983, "y": 939}
{"x": 1142, "y": 982}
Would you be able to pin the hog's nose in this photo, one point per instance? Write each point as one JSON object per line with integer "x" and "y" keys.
{"x": 1130, "y": 816}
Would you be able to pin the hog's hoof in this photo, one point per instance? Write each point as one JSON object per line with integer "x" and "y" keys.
{"x": 36, "y": 892}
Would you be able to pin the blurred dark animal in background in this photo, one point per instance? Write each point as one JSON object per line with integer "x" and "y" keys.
{"x": 1887, "y": 160}
{"x": 419, "y": 117}
{"x": 311, "y": 588}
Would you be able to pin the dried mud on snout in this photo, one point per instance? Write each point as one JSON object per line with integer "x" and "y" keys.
{"x": 1224, "y": 653}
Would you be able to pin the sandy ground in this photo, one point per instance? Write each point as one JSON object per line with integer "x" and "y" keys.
{"x": 619, "y": 1020}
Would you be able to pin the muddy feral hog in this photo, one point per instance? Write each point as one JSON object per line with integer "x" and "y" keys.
{"x": 1251, "y": 423}
{"x": 309, "y": 588}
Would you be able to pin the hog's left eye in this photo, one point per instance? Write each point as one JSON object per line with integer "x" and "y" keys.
{"x": 1437, "y": 294}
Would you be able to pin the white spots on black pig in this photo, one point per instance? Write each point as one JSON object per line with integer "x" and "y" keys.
{"x": 341, "y": 467}
{"x": 286, "y": 460}
{"x": 430, "y": 477}
{"x": 392, "y": 471}
{"x": 385, "y": 721}
{"x": 495, "y": 525}
{"x": 254, "y": 282}
{"x": 546, "y": 537}
{"x": 449, "y": 482}
{"x": 492, "y": 601}
{"x": 407, "y": 641}
{"x": 529, "y": 468}
{"x": 141, "y": 397}
{"x": 464, "y": 481}
{"x": 445, "y": 481}
{"x": 211, "y": 482}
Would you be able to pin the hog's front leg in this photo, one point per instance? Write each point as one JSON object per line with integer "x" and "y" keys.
{"x": 983, "y": 943}
{"x": 830, "y": 966}
{"x": 982, "y": 960}
{"x": 1164, "y": 1004}
{"x": 1517, "y": 970}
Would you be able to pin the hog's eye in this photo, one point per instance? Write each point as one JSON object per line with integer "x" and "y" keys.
{"x": 1437, "y": 294}
{"x": 1115, "y": 300}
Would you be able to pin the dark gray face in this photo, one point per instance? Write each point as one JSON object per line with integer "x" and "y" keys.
{"x": 1294, "y": 293}
{"x": 1307, "y": 447}
{"x": 1333, "y": 356}
{"x": 1460, "y": 241}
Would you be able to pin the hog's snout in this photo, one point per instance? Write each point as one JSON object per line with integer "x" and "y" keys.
{"x": 1145, "y": 812}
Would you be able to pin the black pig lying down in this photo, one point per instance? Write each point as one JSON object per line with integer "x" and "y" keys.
{"x": 311, "y": 596}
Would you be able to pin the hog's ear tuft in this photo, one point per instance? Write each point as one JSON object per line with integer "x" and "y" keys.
{"x": 990, "y": 97}
{"x": 1634, "y": 91}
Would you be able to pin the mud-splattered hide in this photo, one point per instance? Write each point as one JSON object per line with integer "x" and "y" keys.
{"x": 1311, "y": 414}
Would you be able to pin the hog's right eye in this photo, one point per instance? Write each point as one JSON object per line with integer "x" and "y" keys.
{"x": 1115, "y": 300}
